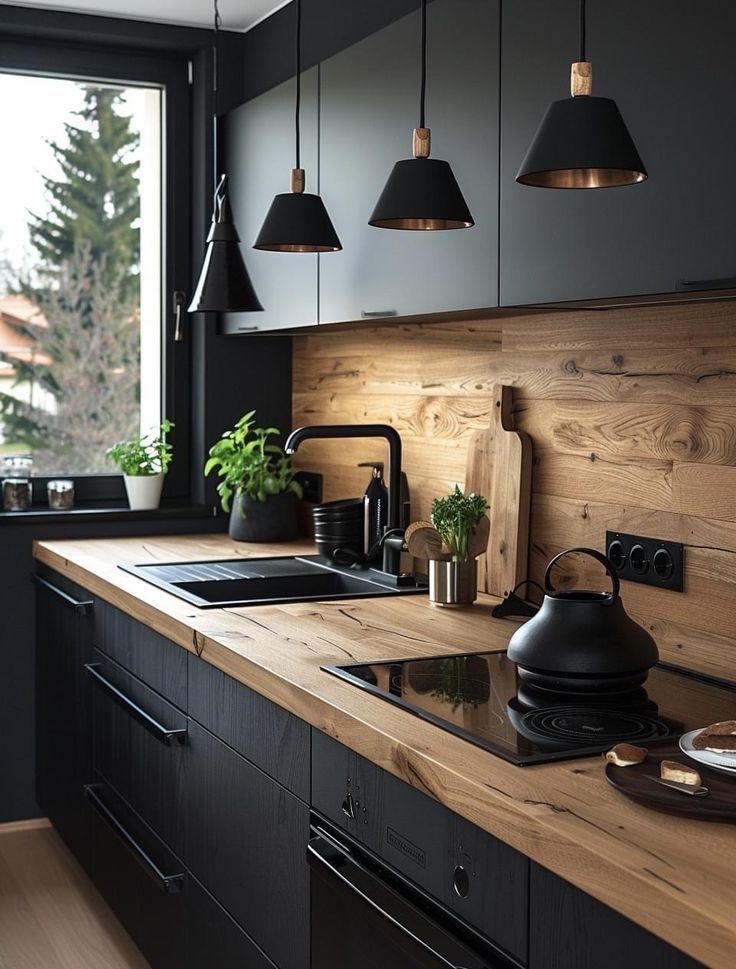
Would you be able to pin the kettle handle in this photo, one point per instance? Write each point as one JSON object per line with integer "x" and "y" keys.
{"x": 599, "y": 557}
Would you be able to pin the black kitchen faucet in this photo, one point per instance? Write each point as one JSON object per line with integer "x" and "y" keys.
{"x": 392, "y": 539}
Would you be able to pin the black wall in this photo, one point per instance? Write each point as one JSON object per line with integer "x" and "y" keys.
{"x": 225, "y": 375}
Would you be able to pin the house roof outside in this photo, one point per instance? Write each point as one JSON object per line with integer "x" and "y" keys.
{"x": 18, "y": 311}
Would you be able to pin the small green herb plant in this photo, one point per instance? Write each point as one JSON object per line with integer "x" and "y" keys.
{"x": 146, "y": 455}
{"x": 456, "y": 518}
{"x": 247, "y": 464}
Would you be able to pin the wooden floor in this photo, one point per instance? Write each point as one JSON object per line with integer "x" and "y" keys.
{"x": 51, "y": 916}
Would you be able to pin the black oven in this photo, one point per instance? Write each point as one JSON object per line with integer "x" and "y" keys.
{"x": 367, "y": 916}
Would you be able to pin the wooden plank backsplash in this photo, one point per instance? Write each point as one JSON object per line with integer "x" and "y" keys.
{"x": 632, "y": 413}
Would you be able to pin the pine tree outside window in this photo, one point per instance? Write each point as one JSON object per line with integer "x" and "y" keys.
{"x": 80, "y": 269}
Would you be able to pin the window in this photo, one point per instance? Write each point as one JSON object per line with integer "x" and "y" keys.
{"x": 81, "y": 268}
{"x": 143, "y": 99}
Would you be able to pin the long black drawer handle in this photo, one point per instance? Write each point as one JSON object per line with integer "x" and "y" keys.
{"x": 78, "y": 605}
{"x": 171, "y": 884}
{"x": 724, "y": 282}
{"x": 170, "y": 738}
{"x": 375, "y": 314}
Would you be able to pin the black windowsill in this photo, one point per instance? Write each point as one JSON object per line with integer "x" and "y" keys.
{"x": 108, "y": 512}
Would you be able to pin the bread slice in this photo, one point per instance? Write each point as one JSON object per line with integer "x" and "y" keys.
{"x": 626, "y": 755}
{"x": 670, "y": 770}
{"x": 718, "y": 737}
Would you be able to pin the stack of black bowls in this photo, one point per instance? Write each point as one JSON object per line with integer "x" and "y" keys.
{"x": 339, "y": 530}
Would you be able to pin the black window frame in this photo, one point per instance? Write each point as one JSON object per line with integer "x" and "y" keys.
{"x": 171, "y": 71}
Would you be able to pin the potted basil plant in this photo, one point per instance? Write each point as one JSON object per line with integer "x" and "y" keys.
{"x": 257, "y": 485}
{"x": 453, "y": 579}
{"x": 144, "y": 462}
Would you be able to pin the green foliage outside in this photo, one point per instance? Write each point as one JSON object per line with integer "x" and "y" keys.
{"x": 85, "y": 283}
{"x": 95, "y": 202}
{"x": 247, "y": 464}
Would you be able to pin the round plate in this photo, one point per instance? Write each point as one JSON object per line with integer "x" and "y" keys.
{"x": 723, "y": 762}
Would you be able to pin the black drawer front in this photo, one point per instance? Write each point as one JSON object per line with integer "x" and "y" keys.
{"x": 246, "y": 842}
{"x": 155, "y": 919}
{"x": 157, "y": 661}
{"x": 184, "y": 929}
{"x": 64, "y": 627}
{"x": 139, "y": 746}
{"x": 482, "y": 880}
{"x": 269, "y": 736}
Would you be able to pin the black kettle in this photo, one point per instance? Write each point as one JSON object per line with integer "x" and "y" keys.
{"x": 582, "y": 641}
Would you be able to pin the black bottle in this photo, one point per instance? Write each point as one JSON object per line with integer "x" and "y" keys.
{"x": 375, "y": 507}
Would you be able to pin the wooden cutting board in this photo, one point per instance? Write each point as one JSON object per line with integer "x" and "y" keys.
{"x": 499, "y": 466}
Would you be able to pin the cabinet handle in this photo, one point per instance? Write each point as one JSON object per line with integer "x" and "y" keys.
{"x": 171, "y": 884}
{"x": 248, "y": 329}
{"x": 374, "y": 314}
{"x": 725, "y": 282}
{"x": 78, "y": 605}
{"x": 169, "y": 738}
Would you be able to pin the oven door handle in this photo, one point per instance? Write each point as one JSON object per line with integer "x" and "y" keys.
{"x": 323, "y": 853}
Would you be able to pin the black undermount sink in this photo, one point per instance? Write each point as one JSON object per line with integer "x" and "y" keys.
{"x": 258, "y": 582}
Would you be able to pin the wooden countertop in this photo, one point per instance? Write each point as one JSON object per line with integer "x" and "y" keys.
{"x": 675, "y": 877}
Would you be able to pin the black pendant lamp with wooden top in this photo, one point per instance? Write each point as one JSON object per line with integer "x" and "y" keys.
{"x": 224, "y": 284}
{"x": 582, "y": 141}
{"x": 421, "y": 193}
{"x": 297, "y": 221}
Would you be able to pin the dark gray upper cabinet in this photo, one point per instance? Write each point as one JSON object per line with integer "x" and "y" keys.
{"x": 669, "y": 65}
{"x": 259, "y": 153}
{"x": 369, "y": 103}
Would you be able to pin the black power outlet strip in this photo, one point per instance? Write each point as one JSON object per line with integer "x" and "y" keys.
{"x": 648, "y": 560}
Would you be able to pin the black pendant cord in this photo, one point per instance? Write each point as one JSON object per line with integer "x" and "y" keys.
{"x": 423, "y": 67}
{"x": 215, "y": 45}
{"x": 298, "y": 81}
{"x": 582, "y": 31}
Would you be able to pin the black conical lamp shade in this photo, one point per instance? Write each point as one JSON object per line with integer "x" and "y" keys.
{"x": 297, "y": 222}
{"x": 224, "y": 284}
{"x": 582, "y": 142}
{"x": 421, "y": 193}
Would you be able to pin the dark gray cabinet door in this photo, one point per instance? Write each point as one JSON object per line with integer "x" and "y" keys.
{"x": 369, "y": 98}
{"x": 246, "y": 842}
{"x": 267, "y": 734}
{"x": 570, "y": 930}
{"x": 678, "y": 225}
{"x": 259, "y": 153}
{"x": 63, "y": 707}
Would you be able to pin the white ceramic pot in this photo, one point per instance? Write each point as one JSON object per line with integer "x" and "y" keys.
{"x": 144, "y": 490}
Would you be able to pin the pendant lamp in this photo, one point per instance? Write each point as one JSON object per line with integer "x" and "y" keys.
{"x": 297, "y": 221}
{"x": 421, "y": 192}
{"x": 582, "y": 142}
{"x": 224, "y": 284}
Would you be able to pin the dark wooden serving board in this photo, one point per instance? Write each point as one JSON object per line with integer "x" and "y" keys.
{"x": 718, "y": 805}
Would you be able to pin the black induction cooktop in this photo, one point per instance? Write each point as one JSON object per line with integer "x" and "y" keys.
{"x": 480, "y": 697}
